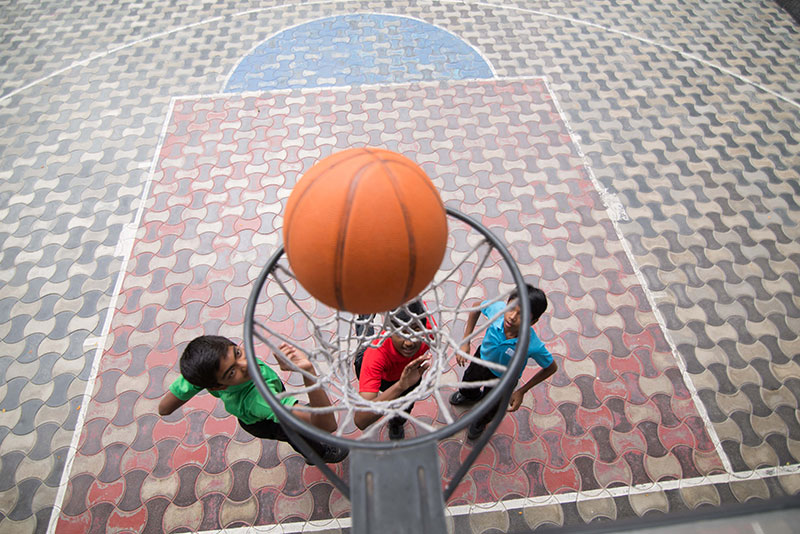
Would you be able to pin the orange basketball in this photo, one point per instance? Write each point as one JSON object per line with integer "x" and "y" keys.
{"x": 365, "y": 230}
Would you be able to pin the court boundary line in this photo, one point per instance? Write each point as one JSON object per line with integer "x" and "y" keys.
{"x": 125, "y": 247}
{"x": 673, "y": 49}
{"x": 315, "y": 89}
{"x": 532, "y": 502}
{"x": 679, "y": 361}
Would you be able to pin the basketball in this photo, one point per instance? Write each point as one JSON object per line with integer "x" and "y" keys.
{"x": 365, "y": 230}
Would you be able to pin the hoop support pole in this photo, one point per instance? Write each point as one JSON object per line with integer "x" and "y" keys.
{"x": 397, "y": 491}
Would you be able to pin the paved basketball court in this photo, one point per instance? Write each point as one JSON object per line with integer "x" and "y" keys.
{"x": 641, "y": 163}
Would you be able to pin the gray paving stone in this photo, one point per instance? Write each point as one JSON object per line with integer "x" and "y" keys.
{"x": 26, "y": 422}
{"x": 8, "y": 467}
{"x": 61, "y": 384}
{"x": 44, "y": 436}
{"x": 17, "y": 328}
{"x": 24, "y": 505}
{"x": 58, "y": 458}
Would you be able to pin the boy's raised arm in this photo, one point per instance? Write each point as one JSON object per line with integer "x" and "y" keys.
{"x": 169, "y": 403}
{"x": 316, "y": 397}
{"x": 410, "y": 376}
{"x": 472, "y": 320}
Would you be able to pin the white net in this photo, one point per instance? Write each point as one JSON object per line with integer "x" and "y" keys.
{"x": 472, "y": 272}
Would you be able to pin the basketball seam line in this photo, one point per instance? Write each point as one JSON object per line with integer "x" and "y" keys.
{"x": 287, "y": 221}
{"x": 428, "y": 182}
{"x": 338, "y": 261}
{"x": 412, "y": 245}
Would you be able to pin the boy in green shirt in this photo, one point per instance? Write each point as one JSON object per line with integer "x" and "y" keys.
{"x": 215, "y": 363}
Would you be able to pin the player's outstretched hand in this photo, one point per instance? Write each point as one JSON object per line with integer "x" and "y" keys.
{"x": 516, "y": 401}
{"x": 413, "y": 371}
{"x": 296, "y": 356}
{"x": 460, "y": 360}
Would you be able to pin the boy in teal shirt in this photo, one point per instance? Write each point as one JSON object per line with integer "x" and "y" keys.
{"x": 215, "y": 363}
{"x": 498, "y": 345}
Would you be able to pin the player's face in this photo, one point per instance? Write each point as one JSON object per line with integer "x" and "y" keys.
{"x": 404, "y": 345}
{"x": 511, "y": 320}
{"x": 233, "y": 368}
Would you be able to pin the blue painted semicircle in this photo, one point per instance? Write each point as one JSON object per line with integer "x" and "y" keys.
{"x": 356, "y": 50}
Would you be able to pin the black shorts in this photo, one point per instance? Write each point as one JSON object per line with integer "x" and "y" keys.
{"x": 267, "y": 429}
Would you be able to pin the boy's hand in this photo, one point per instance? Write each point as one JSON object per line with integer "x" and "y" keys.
{"x": 516, "y": 401}
{"x": 296, "y": 356}
{"x": 460, "y": 360}
{"x": 413, "y": 371}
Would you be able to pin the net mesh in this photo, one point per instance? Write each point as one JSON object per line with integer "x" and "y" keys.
{"x": 472, "y": 272}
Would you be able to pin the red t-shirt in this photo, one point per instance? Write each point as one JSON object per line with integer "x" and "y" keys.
{"x": 384, "y": 363}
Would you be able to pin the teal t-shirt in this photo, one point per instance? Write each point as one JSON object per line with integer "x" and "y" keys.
{"x": 496, "y": 348}
{"x": 244, "y": 401}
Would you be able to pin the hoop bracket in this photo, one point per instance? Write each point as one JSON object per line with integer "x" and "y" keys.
{"x": 397, "y": 491}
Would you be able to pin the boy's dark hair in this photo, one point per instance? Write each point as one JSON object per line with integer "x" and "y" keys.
{"x": 201, "y": 358}
{"x": 536, "y": 298}
{"x": 406, "y": 315}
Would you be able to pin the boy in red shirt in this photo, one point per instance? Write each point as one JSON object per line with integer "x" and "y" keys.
{"x": 393, "y": 369}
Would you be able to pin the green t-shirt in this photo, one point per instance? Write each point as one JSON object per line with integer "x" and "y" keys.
{"x": 244, "y": 401}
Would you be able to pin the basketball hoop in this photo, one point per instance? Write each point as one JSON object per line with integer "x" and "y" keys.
{"x": 281, "y": 311}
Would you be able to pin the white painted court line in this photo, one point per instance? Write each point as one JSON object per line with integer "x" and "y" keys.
{"x": 613, "y": 207}
{"x": 615, "y": 214}
{"x": 673, "y": 49}
{"x": 622, "y": 491}
{"x": 533, "y": 502}
{"x": 105, "y": 53}
{"x": 305, "y": 90}
{"x": 125, "y": 248}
